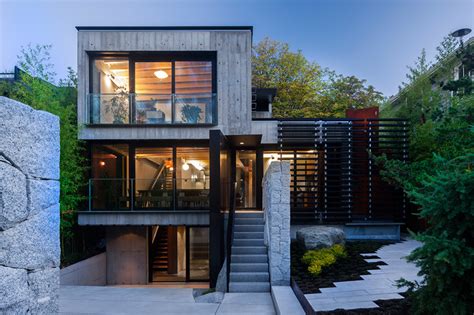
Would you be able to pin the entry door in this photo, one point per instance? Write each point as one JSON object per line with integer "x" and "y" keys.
{"x": 246, "y": 176}
{"x": 197, "y": 254}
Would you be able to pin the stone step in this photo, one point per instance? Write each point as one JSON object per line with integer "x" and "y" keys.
{"x": 248, "y": 228}
{"x": 249, "y": 258}
{"x": 248, "y": 250}
{"x": 249, "y": 221}
{"x": 241, "y": 215}
{"x": 249, "y": 287}
{"x": 248, "y": 235}
{"x": 248, "y": 242}
{"x": 246, "y": 267}
{"x": 249, "y": 276}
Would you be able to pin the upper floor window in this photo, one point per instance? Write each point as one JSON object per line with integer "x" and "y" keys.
{"x": 152, "y": 90}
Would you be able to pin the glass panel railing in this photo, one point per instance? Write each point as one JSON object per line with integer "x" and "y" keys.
{"x": 109, "y": 194}
{"x": 154, "y": 194}
{"x": 192, "y": 194}
{"x": 153, "y": 108}
{"x": 109, "y": 108}
{"x": 197, "y": 108}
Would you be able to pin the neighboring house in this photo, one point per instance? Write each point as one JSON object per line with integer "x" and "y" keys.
{"x": 171, "y": 121}
{"x": 452, "y": 68}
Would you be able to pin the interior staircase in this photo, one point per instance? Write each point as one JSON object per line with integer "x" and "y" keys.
{"x": 249, "y": 261}
{"x": 160, "y": 258}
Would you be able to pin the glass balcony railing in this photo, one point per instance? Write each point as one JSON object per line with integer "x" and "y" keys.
{"x": 116, "y": 194}
{"x": 153, "y": 109}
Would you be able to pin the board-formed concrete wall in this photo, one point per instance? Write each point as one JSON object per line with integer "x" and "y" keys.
{"x": 90, "y": 271}
{"x": 29, "y": 210}
{"x": 276, "y": 207}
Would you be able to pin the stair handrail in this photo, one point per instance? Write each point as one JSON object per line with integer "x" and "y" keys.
{"x": 230, "y": 230}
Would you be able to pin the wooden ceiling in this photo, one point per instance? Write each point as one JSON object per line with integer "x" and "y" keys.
{"x": 191, "y": 77}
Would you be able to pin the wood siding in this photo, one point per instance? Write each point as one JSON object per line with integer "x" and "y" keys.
{"x": 233, "y": 78}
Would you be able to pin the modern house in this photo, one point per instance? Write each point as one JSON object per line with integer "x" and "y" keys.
{"x": 178, "y": 139}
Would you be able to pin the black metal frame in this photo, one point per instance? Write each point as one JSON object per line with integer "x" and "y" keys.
{"x": 156, "y": 56}
{"x": 347, "y": 185}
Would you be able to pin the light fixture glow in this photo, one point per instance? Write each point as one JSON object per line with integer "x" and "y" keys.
{"x": 185, "y": 166}
{"x": 102, "y": 163}
{"x": 160, "y": 74}
{"x": 241, "y": 143}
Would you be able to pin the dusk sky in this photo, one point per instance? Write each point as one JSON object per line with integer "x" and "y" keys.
{"x": 372, "y": 39}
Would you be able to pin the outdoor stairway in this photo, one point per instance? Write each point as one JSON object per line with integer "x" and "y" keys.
{"x": 249, "y": 260}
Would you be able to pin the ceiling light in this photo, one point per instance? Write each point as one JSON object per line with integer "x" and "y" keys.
{"x": 160, "y": 74}
{"x": 241, "y": 143}
{"x": 185, "y": 166}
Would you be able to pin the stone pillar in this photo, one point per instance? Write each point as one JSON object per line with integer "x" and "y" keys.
{"x": 276, "y": 207}
{"x": 29, "y": 210}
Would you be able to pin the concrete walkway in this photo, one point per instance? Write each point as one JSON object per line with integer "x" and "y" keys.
{"x": 79, "y": 300}
{"x": 379, "y": 285}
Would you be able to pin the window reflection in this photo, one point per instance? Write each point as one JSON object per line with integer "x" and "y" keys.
{"x": 192, "y": 178}
{"x": 154, "y": 178}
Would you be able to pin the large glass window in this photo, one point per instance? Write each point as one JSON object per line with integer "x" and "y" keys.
{"x": 109, "y": 101}
{"x": 156, "y": 91}
{"x": 153, "y": 90}
{"x": 193, "y": 86}
{"x": 154, "y": 178}
{"x": 198, "y": 253}
{"x": 110, "y": 185}
{"x": 192, "y": 178}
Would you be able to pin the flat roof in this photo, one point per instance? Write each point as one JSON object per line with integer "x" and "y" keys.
{"x": 165, "y": 28}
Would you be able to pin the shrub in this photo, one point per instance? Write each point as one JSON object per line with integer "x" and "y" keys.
{"x": 318, "y": 258}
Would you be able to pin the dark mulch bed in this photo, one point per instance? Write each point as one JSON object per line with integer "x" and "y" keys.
{"x": 390, "y": 307}
{"x": 347, "y": 269}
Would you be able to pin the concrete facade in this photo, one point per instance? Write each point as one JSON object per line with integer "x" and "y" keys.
{"x": 276, "y": 208}
{"x": 234, "y": 91}
{"x": 127, "y": 255}
{"x": 29, "y": 210}
{"x": 91, "y": 271}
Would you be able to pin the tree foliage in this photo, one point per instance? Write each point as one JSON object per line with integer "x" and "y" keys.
{"x": 304, "y": 89}
{"x": 439, "y": 179}
{"x": 37, "y": 91}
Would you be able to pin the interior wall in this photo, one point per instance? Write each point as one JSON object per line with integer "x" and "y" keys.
{"x": 181, "y": 248}
{"x": 127, "y": 255}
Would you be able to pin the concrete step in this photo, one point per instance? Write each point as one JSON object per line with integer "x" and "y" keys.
{"x": 248, "y": 235}
{"x": 249, "y": 276}
{"x": 249, "y": 215}
{"x": 249, "y": 287}
{"x": 246, "y": 267}
{"x": 248, "y": 242}
{"x": 249, "y": 221}
{"x": 249, "y": 258}
{"x": 249, "y": 250}
{"x": 248, "y": 228}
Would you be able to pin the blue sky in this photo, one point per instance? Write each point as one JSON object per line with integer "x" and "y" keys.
{"x": 372, "y": 39}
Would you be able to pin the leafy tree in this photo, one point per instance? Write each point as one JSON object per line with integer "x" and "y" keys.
{"x": 304, "y": 89}
{"x": 38, "y": 93}
{"x": 343, "y": 92}
{"x": 297, "y": 80}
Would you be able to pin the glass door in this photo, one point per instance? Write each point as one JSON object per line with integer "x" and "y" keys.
{"x": 198, "y": 254}
{"x": 246, "y": 176}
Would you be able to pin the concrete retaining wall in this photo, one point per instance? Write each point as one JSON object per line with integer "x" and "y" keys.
{"x": 91, "y": 271}
{"x": 276, "y": 207}
{"x": 29, "y": 210}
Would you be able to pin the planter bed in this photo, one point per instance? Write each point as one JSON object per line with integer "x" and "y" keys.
{"x": 346, "y": 269}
